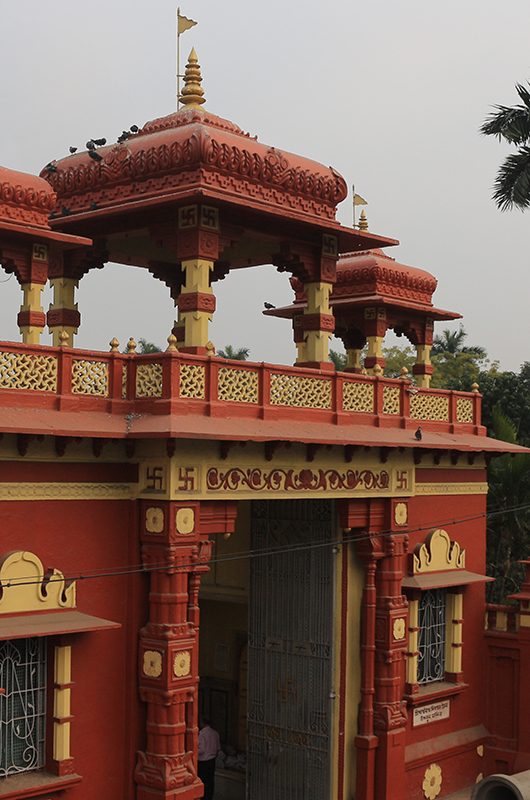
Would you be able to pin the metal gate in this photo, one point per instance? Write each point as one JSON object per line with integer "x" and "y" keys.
{"x": 290, "y": 650}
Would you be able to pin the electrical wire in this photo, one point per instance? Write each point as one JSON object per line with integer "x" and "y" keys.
{"x": 133, "y": 569}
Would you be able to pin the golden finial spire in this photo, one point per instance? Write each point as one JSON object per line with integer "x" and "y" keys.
{"x": 363, "y": 222}
{"x": 192, "y": 95}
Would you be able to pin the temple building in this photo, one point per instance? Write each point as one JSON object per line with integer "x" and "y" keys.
{"x": 294, "y": 552}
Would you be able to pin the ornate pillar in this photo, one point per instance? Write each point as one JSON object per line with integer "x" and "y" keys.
{"x": 197, "y": 250}
{"x": 423, "y": 368}
{"x": 317, "y": 321}
{"x": 31, "y": 269}
{"x": 354, "y": 342}
{"x": 375, "y": 329}
{"x": 63, "y": 314}
{"x": 390, "y": 714}
{"x": 174, "y": 535}
{"x": 66, "y": 270}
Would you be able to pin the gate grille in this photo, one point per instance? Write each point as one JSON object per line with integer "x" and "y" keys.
{"x": 290, "y": 651}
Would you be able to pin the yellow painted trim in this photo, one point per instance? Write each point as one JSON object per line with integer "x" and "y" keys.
{"x": 61, "y": 703}
{"x": 453, "y": 633}
{"x": 451, "y": 488}
{"x": 197, "y": 471}
{"x": 438, "y": 552}
{"x": 412, "y": 655}
{"x": 67, "y": 491}
{"x": 197, "y": 279}
{"x": 22, "y": 580}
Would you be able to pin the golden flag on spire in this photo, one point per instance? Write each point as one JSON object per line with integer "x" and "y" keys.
{"x": 359, "y": 201}
{"x": 184, "y": 23}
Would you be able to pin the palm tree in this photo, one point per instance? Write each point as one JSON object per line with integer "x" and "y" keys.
{"x": 238, "y": 354}
{"x": 453, "y": 342}
{"x": 512, "y": 124}
{"x": 147, "y": 347}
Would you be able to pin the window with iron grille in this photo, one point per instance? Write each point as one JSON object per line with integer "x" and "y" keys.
{"x": 432, "y": 635}
{"x": 22, "y": 705}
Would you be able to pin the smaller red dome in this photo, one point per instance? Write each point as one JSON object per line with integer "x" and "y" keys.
{"x": 25, "y": 199}
{"x": 371, "y": 272}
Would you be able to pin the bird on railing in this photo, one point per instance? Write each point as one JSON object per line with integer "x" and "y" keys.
{"x": 72, "y": 150}
{"x": 268, "y": 306}
{"x": 419, "y": 434}
{"x": 95, "y": 156}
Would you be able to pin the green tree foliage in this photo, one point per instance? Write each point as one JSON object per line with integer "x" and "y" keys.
{"x": 236, "y": 353}
{"x": 508, "y": 539}
{"x": 512, "y": 124}
{"x": 398, "y": 357}
{"x": 510, "y": 393}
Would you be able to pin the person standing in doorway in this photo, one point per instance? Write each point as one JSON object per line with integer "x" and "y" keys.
{"x": 209, "y": 746}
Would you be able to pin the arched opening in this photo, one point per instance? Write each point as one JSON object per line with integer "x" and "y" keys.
{"x": 123, "y": 301}
{"x": 240, "y": 298}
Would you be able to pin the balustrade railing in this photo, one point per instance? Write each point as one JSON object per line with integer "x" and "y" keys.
{"x": 212, "y": 385}
{"x": 501, "y": 618}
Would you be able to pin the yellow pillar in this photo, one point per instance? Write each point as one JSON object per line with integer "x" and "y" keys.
{"x": 316, "y": 338}
{"x": 31, "y": 319}
{"x": 413, "y": 652}
{"x": 423, "y": 367}
{"x": 63, "y": 314}
{"x": 196, "y": 302}
{"x": 453, "y": 644}
{"x": 374, "y": 355}
{"x": 354, "y": 359}
{"x": 61, "y": 703}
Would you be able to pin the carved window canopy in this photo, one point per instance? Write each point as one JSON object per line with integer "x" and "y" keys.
{"x": 52, "y": 623}
{"x": 39, "y": 602}
{"x": 440, "y": 563}
{"x": 444, "y": 579}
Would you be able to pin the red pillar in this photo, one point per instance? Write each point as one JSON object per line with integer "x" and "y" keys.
{"x": 175, "y": 549}
{"x": 390, "y": 714}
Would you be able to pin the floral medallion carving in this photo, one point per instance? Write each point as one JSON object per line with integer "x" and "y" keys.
{"x": 154, "y": 520}
{"x": 432, "y": 782}
{"x": 152, "y": 663}
{"x": 398, "y": 629}
{"x": 182, "y": 664}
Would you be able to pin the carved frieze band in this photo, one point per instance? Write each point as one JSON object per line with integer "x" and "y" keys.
{"x": 67, "y": 491}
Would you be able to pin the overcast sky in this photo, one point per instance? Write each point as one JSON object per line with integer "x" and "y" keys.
{"x": 389, "y": 92}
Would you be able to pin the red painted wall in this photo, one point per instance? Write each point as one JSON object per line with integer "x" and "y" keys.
{"x": 74, "y": 537}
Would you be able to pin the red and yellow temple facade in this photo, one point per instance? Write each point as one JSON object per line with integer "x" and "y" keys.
{"x": 295, "y": 552}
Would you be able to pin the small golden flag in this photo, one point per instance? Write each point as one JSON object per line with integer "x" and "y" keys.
{"x": 359, "y": 201}
{"x": 184, "y": 24}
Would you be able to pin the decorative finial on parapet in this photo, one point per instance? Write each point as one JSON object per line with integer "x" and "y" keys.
{"x": 404, "y": 373}
{"x": 172, "y": 343}
{"x": 63, "y": 338}
{"x": 474, "y": 387}
{"x": 210, "y": 349}
{"x": 377, "y": 370}
{"x": 131, "y": 345}
{"x": 114, "y": 345}
{"x": 192, "y": 95}
{"x": 363, "y": 222}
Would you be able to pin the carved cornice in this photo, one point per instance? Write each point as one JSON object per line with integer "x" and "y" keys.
{"x": 194, "y": 155}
